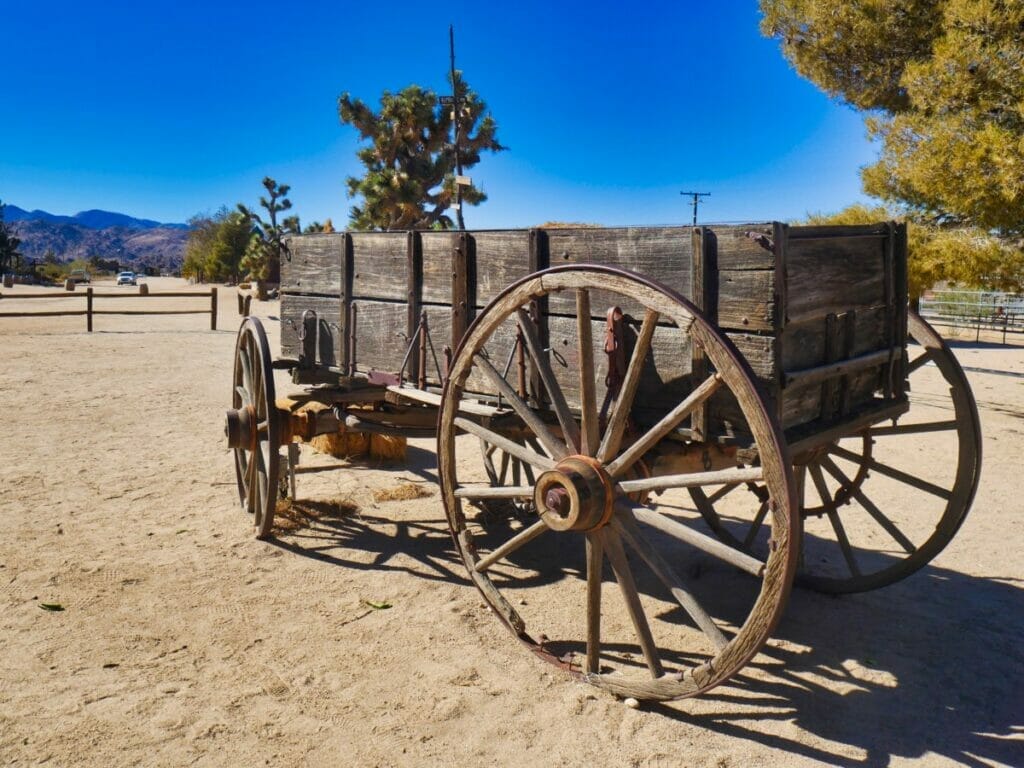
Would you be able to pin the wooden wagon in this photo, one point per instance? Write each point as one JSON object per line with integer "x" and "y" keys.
{"x": 637, "y": 406}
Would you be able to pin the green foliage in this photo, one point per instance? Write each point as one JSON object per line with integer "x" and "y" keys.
{"x": 957, "y": 155}
{"x": 960, "y": 256}
{"x": 10, "y": 258}
{"x": 262, "y": 259}
{"x": 946, "y": 81}
{"x": 409, "y": 181}
{"x": 229, "y": 246}
{"x": 854, "y": 50}
{"x": 216, "y": 245}
{"x": 98, "y": 265}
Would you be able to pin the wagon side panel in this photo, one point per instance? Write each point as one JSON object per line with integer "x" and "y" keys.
{"x": 844, "y": 336}
{"x": 313, "y": 278}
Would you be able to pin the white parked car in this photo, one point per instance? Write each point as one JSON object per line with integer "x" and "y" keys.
{"x": 126, "y": 278}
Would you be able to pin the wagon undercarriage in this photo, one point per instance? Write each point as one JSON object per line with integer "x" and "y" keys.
{"x": 734, "y": 394}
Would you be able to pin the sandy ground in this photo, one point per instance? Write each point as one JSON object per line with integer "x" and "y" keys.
{"x": 186, "y": 641}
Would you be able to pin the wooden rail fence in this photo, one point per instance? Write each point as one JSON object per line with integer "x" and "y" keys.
{"x": 90, "y": 297}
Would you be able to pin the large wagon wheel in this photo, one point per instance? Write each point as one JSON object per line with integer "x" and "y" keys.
{"x": 663, "y": 639}
{"x": 252, "y": 428}
{"x": 851, "y": 543}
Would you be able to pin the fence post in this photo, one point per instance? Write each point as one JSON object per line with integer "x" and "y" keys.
{"x": 88, "y": 309}
{"x": 213, "y": 308}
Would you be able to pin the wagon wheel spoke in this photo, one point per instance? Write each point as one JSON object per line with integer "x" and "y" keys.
{"x": 480, "y": 492}
{"x": 259, "y": 402}
{"x": 755, "y": 526}
{"x": 554, "y": 446}
{"x": 487, "y": 455}
{"x": 505, "y": 458}
{"x": 732, "y": 477}
{"x": 525, "y": 536}
{"x": 919, "y": 361}
{"x": 258, "y": 476}
{"x": 886, "y": 524}
{"x": 595, "y": 566}
{"x": 833, "y": 517}
{"x": 914, "y": 429}
{"x": 243, "y": 395}
{"x": 722, "y": 492}
{"x": 590, "y": 428}
{"x": 625, "y": 525}
{"x": 706, "y": 544}
{"x": 669, "y": 422}
{"x": 612, "y": 439}
{"x": 250, "y": 484}
{"x": 627, "y": 586}
{"x": 508, "y": 446}
{"x": 569, "y": 427}
{"x": 895, "y": 474}
{"x": 243, "y": 358}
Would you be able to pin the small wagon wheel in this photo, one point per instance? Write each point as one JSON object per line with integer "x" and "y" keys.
{"x": 252, "y": 428}
{"x": 661, "y": 638}
{"x": 850, "y": 543}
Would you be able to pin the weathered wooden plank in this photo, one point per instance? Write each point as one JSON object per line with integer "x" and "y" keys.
{"x": 803, "y": 343}
{"x": 839, "y": 230}
{"x": 663, "y": 254}
{"x": 902, "y": 297}
{"x": 329, "y": 336}
{"x": 381, "y": 335}
{"x": 666, "y": 374}
{"x": 502, "y": 257}
{"x": 759, "y": 351}
{"x": 802, "y": 405}
{"x": 379, "y": 265}
{"x": 746, "y": 299}
{"x": 703, "y": 293}
{"x": 744, "y": 247}
{"x": 833, "y": 274}
{"x": 438, "y": 248}
{"x": 315, "y": 265}
{"x": 463, "y": 286}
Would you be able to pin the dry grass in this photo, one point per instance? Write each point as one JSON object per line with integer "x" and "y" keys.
{"x": 402, "y": 492}
{"x": 303, "y": 513}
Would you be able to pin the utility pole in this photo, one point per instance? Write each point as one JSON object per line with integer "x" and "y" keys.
{"x": 696, "y": 199}
{"x": 457, "y": 115}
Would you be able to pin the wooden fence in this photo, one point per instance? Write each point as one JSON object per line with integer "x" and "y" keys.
{"x": 91, "y": 297}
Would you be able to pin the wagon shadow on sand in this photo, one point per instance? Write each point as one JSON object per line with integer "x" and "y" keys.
{"x": 846, "y": 669}
{"x": 836, "y": 668}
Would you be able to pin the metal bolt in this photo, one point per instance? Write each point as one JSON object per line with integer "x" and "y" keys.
{"x": 557, "y": 501}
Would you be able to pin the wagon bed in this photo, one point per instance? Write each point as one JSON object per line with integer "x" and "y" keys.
{"x": 762, "y": 370}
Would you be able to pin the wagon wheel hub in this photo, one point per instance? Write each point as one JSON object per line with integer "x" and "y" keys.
{"x": 240, "y": 427}
{"x": 577, "y": 495}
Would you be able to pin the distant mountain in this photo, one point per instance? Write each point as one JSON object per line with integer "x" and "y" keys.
{"x": 133, "y": 242}
{"x": 94, "y": 219}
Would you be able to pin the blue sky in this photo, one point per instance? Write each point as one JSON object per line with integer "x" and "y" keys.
{"x": 162, "y": 110}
